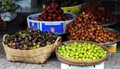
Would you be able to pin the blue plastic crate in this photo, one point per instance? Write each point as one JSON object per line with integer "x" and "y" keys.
{"x": 34, "y": 25}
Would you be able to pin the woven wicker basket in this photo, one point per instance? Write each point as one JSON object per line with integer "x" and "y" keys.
{"x": 79, "y": 62}
{"x": 39, "y": 55}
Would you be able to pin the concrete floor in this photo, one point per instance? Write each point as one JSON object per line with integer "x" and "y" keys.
{"x": 113, "y": 61}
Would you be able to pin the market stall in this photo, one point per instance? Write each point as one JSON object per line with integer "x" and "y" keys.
{"x": 78, "y": 40}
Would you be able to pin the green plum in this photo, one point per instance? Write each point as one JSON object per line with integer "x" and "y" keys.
{"x": 82, "y": 51}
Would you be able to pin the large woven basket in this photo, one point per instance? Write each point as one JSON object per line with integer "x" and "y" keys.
{"x": 79, "y": 62}
{"x": 39, "y": 55}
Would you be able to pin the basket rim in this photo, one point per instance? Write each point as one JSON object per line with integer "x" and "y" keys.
{"x": 105, "y": 43}
{"x": 47, "y": 46}
{"x": 68, "y": 13}
{"x": 82, "y": 61}
{"x": 4, "y": 45}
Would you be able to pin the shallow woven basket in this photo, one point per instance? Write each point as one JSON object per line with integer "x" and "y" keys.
{"x": 79, "y": 62}
{"x": 39, "y": 55}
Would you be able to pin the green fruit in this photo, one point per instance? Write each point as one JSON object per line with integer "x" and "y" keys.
{"x": 82, "y": 51}
{"x": 80, "y": 55}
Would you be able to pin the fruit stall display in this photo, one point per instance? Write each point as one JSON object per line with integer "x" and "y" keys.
{"x": 30, "y": 45}
{"x": 63, "y": 3}
{"x": 51, "y": 19}
{"x": 87, "y": 29}
{"x": 81, "y": 53}
{"x": 52, "y": 12}
{"x": 66, "y": 5}
{"x": 7, "y": 5}
{"x": 7, "y": 10}
{"x": 30, "y": 39}
{"x": 37, "y": 43}
{"x": 102, "y": 14}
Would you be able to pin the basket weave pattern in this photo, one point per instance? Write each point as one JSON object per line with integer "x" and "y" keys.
{"x": 39, "y": 55}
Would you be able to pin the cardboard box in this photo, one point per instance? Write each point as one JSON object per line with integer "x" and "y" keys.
{"x": 67, "y": 66}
